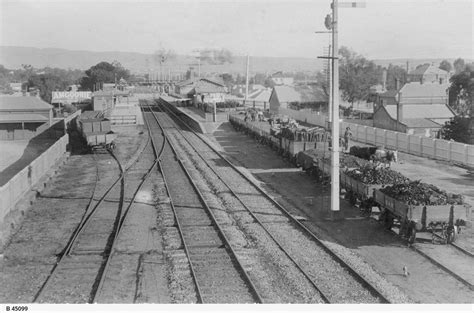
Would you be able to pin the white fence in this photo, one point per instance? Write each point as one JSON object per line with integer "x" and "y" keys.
{"x": 18, "y": 185}
{"x": 413, "y": 144}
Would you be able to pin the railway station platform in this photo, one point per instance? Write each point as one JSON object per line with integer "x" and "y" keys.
{"x": 127, "y": 114}
{"x": 198, "y": 119}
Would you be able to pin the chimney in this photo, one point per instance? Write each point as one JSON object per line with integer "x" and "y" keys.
{"x": 399, "y": 109}
{"x": 397, "y": 84}
{"x": 384, "y": 80}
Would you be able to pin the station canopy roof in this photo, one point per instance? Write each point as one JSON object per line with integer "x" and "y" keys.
{"x": 18, "y": 118}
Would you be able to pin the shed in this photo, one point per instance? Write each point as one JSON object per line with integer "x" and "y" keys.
{"x": 286, "y": 96}
{"x": 23, "y": 117}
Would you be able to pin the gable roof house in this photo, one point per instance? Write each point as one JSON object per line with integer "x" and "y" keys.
{"x": 202, "y": 89}
{"x": 279, "y": 79}
{"x": 428, "y": 73}
{"x": 417, "y": 108}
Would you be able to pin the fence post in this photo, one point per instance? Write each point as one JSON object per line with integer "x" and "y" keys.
{"x": 449, "y": 151}
{"x": 421, "y": 146}
{"x": 466, "y": 156}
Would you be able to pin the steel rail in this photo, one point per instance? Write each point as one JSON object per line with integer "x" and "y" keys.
{"x": 253, "y": 289}
{"x": 179, "y": 227}
{"x": 446, "y": 269}
{"x": 84, "y": 221}
{"x": 298, "y": 266}
{"x": 89, "y": 212}
{"x": 122, "y": 220}
{"x": 361, "y": 279}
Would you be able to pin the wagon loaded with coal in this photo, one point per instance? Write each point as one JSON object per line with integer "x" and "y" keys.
{"x": 412, "y": 206}
{"x": 419, "y": 207}
{"x": 96, "y": 131}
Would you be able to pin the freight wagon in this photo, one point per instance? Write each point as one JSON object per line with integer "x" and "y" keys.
{"x": 359, "y": 191}
{"x": 96, "y": 131}
{"x": 444, "y": 219}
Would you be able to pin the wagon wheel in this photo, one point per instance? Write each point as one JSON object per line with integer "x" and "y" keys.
{"x": 366, "y": 206}
{"x": 411, "y": 233}
{"x": 388, "y": 221}
{"x": 404, "y": 229}
{"x": 450, "y": 234}
{"x": 352, "y": 198}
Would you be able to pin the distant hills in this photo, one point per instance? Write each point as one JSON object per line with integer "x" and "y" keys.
{"x": 13, "y": 57}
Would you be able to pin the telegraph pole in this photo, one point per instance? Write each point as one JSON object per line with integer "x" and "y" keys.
{"x": 335, "y": 113}
{"x": 247, "y": 79}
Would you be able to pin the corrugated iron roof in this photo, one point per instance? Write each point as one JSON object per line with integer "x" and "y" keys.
{"x": 420, "y": 123}
{"x": 23, "y": 103}
{"x": 287, "y": 94}
{"x": 299, "y": 94}
{"x": 431, "y": 111}
{"x": 262, "y": 95}
{"x": 428, "y": 69}
{"x": 27, "y": 117}
{"x": 425, "y": 90}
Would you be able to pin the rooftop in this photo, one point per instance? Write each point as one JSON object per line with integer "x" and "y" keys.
{"x": 425, "y": 90}
{"x": 430, "y": 111}
{"x": 27, "y": 117}
{"x": 299, "y": 94}
{"x": 23, "y": 103}
{"x": 428, "y": 69}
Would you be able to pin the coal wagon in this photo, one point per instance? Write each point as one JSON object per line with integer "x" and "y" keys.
{"x": 442, "y": 219}
{"x": 96, "y": 131}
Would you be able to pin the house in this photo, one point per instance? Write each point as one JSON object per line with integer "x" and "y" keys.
{"x": 279, "y": 79}
{"x": 23, "y": 117}
{"x": 417, "y": 107}
{"x": 285, "y": 97}
{"x": 422, "y": 119}
{"x": 428, "y": 73}
{"x": 209, "y": 90}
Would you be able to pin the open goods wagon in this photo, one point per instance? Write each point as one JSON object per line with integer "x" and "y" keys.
{"x": 97, "y": 142}
{"x": 357, "y": 190}
{"x": 442, "y": 219}
{"x": 96, "y": 131}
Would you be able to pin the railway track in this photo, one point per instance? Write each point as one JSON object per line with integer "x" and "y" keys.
{"x": 291, "y": 237}
{"x": 217, "y": 273}
{"x": 78, "y": 274}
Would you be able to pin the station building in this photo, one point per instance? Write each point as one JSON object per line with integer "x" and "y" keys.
{"x": 23, "y": 117}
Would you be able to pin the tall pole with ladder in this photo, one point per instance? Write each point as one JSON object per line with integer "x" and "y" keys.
{"x": 247, "y": 78}
{"x": 335, "y": 102}
{"x": 335, "y": 113}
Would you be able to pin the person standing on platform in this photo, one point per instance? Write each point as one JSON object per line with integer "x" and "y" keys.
{"x": 347, "y": 137}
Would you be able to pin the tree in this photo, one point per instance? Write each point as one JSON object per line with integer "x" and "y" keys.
{"x": 395, "y": 73}
{"x": 228, "y": 79}
{"x": 356, "y": 75}
{"x": 456, "y": 129}
{"x": 458, "y": 65}
{"x": 46, "y": 84}
{"x": 446, "y": 66}
{"x": 461, "y": 90}
{"x": 103, "y": 72}
{"x": 322, "y": 83}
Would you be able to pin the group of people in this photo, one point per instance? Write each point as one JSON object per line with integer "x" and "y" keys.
{"x": 254, "y": 115}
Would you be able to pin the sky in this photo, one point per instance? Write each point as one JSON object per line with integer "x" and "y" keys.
{"x": 383, "y": 29}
